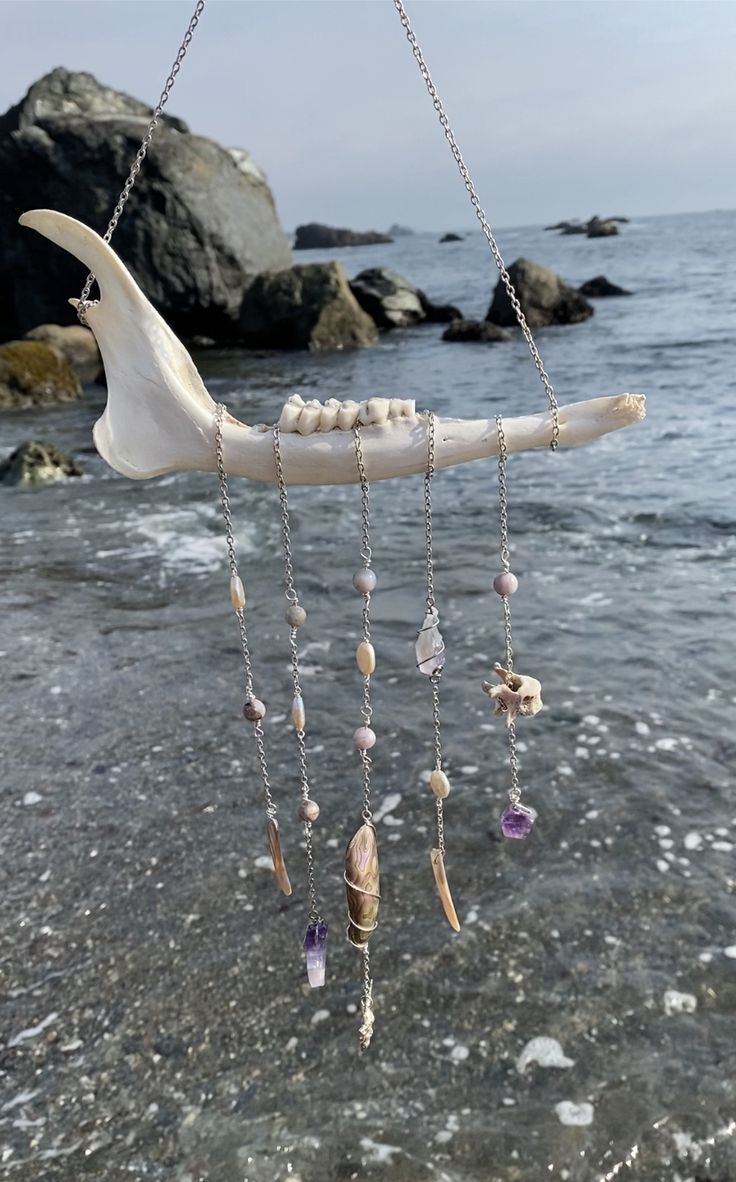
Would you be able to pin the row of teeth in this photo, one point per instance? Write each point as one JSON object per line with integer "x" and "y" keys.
{"x": 304, "y": 418}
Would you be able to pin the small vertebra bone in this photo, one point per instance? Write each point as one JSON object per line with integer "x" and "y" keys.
{"x": 515, "y": 695}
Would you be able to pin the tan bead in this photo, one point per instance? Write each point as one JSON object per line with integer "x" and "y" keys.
{"x": 298, "y": 715}
{"x": 295, "y": 615}
{"x": 365, "y": 656}
{"x": 308, "y": 810}
{"x": 237, "y": 592}
{"x": 439, "y": 784}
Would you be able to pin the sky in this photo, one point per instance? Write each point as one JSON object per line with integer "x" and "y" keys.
{"x": 562, "y": 108}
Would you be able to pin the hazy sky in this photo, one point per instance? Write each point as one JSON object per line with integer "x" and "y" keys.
{"x": 561, "y": 107}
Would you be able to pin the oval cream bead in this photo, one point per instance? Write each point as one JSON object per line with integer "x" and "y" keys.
{"x": 439, "y": 784}
{"x": 298, "y": 715}
{"x": 237, "y": 592}
{"x": 365, "y": 656}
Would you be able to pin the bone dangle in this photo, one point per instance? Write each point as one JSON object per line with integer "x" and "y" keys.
{"x": 516, "y": 694}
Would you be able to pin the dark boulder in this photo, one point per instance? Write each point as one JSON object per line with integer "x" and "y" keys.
{"x": 545, "y": 298}
{"x": 199, "y": 226}
{"x": 305, "y": 307}
{"x": 393, "y": 302}
{"x": 315, "y": 236}
{"x": 77, "y": 344}
{"x": 573, "y": 227}
{"x": 33, "y": 373}
{"x": 602, "y": 228}
{"x": 451, "y": 238}
{"x": 599, "y": 287}
{"x": 438, "y": 313}
{"x": 475, "y": 330}
{"x": 36, "y": 463}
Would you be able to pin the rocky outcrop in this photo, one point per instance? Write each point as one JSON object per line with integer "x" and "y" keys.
{"x": 594, "y": 228}
{"x": 545, "y": 298}
{"x": 475, "y": 330}
{"x": 77, "y": 344}
{"x": 36, "y": 463}
{"x": 451, "y": 238}
{"x": 315, "y": 236}
{"x": 200, "y": 224}
{"x": 33, "y": 373}
{"x": 393, "y": 302}
{"x": 599, "y": 287}
{"x": 398, "y": 231}
{"x": 305, "y": 307}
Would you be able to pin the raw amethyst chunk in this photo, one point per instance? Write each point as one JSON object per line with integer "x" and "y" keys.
{"x": 517, "y": 821}
{"x": 315, "y": 947}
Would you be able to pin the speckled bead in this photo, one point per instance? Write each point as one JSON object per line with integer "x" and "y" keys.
{"x": 254, "y": 710}
{"x": 364, "y": 738}
{"x": 308, "y": 810}
{"x": 505, "y": 583}
{"x": 237, "y": 592}
{"x": 295, "y": 615}
{"x": 439, "y": 784}
{"x": 364, "y": 580}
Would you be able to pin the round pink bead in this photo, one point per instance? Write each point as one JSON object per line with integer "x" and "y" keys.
{"x": 254, "y": 710}
{"x": 364, "y": 580}
{"x": 364, "y": 738}
{"x": 505, "y": 583}
{"x": 308, "y": 810}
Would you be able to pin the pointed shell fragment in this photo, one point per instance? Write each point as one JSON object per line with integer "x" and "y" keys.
{"x": 274, "y": 845}
{"x": 362, "y": 883}
{"x": 365, "y": 657}
{"x": 443, "y": 889}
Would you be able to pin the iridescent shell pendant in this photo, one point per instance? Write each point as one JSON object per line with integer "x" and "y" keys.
{"x": 430, "y": 647}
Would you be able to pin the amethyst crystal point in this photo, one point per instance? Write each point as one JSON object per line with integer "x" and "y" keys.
{"x": 315, "y": 947}
{"x": 517, "y": 821}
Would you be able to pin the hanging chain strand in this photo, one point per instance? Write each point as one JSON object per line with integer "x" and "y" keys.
{"x": 293, "y": 600}
{"x": 484, "y": 223}
{"x": 84, "y": 300}
{"x": 366, "y": 554}
{"x": 503, "y": 501}
{"x": 240, "y": 612}
{"x": 432, "y": 606}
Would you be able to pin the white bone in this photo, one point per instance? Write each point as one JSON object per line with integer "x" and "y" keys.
{"x": 328, "y": 421}
{"x": 159, "y": 417}
{"x": 309, "y": 418}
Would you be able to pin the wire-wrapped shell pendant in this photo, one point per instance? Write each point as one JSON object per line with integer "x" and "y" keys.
{"x": 362, "y": 885}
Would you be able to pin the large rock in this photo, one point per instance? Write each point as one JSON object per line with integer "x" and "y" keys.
{"x": 199, "y": 226}
{"x": 33, "y": 373}
{"x": 475, "y": 330}
{"x": 77, "y": 344}
{"x": 545, "y": 298}
{"x": 602, "y": 227}
{"x": 599, "y": 287}
{"x": 305, "y": 307}
{"x": 36, "y": 463}
{"x": 393, "y": 302}
{"x": 315, "y": 236}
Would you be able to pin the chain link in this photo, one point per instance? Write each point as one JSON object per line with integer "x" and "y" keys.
{"x": 240, "y": 612}
{"x": 366, "y": 709}
{"x": 84, "y": 300}
{"x": 503, "y": 500}
{"x": 428, "y": 474}
{"x": 484, "y": 224}
{"x": 292, "y": 599}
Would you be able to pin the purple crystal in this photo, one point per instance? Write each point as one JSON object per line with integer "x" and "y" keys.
{"x": 517, "y": 821}
{"x": 315, "y": 947}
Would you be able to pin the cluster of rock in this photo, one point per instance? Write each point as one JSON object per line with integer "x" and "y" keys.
{"x": 315, "y": 236}
{"x": 595, "y": 227}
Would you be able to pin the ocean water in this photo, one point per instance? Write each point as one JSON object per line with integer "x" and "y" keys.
{"x": 156, "y": 1024}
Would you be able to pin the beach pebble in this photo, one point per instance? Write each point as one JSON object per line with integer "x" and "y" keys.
{"x": 569, "y": 1113}
{"x": 679, "y": 1003}
{"x": 32, "y": 798}
{"x": 545, "y": 1051}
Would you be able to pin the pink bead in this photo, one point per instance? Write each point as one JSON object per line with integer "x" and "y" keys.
{"x": 308, "y": 811}
{"x": 364, "y": 580}
{"x": 505, "y": 583}
{"x": 364, "y": 738}
{"x": 254, "y": 710}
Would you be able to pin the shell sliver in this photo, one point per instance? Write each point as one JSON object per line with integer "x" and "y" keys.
{"x": 443, "y": 889}
{"x": 274, "y": 845}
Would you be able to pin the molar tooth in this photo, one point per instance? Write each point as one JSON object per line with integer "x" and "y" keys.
{"x": 395, "y": 406}
{"x": 378, "y": 410}
{"x": 364, "y": 414}
{"x": 347, "y": 416}
{"x": 328, "y": 421}
{"x": 290, "y": 414}
{"x": 408, "y": 408}
{"x": 309, "y": 418}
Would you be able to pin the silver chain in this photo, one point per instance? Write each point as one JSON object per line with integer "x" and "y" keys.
{"x": 292, "y": 599}
{"x": 484, "y": 223}
{"x": 84, "y": 300}
{"x": 366, "y": 554}
{"x": 431, "y": 605}
{"x": 240, "y": 613}
{"x": 503, "y": 500}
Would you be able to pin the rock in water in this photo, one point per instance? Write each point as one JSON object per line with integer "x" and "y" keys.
{"x": 545, "y": 298}
{"x": 451, "y": 238}
{"x": 36, "y": 463}
{"x": 315, "y": 236}
{"x": 78, "y": 346}
{"x": 201, "y": 222}
{"x": 33, "y": 373}
{"x": 602, "y": 228}
{"x": 474, "y": 330}
{"x": 597, "y": 288}
{"x": 305, "y": 307}
{"x": 393, "y": 302}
